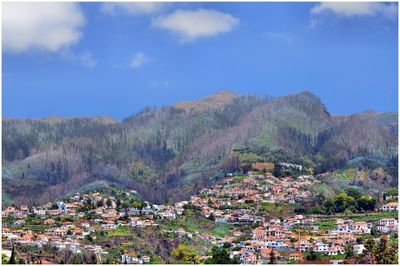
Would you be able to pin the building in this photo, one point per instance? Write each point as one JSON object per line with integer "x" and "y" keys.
{"x": 336, "y": 261}
{"x": 295, "y": 256}
{"x": 391, "y": 206}
{"x": 387, "y": 225}
{"x": 19, "y": 223}
{"x": 321, "y": 247}
{"x": 109, "y": 226}
{"x": 358, "y": 249}
{"x": 130, "y": 259}
{"x": 363, "y": 226}
{"x": 146, "y": 259}
{"x": 267, "y": 253}
{"x": 49, "y": 221}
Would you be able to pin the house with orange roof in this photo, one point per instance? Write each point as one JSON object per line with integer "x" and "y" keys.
{"x": 364, "y": 227}
{"x": 295, "y": 256}
{"x": 331, "y": 252}
{"x": 248, "y": 258}
{"x": 388, "y": 222}
{"x": 146, "y": 259}
{"x": 57, "y": 231}
{"x": 266, "y": 254}
{"x": 391, "y": 206}
{"x": 45, "y": 262}
{"x": 49, "y": 221}
{"x": 77, "y": 232}
{"x": 259, "y": 235}
{"x": 122, "y": 223}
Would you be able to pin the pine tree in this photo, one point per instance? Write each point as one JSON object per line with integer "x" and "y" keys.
{"x": 12, "y": 257}
{"x": 109, "y": 203}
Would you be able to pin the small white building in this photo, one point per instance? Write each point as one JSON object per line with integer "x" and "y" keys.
{"x": 321, "y": 247}
{"x": 363, "y": 226}
{"x": 391, "y": 206}
{"x": 146, "y": 259}
{"x": 387, "y": 225}
{"x": 129, "y": 259}
{"x": 358, "y": 249}
{"x": 331, "y": 252}
{"x": 109, "y": 226}
{"x": 388, "y": 222}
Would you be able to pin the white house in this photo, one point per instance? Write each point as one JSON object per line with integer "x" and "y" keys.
{"x": 388, "y": 222}
{"x": 109, "y": 226}
{"x": 363, "y": 226}
{"x": 331, "y": 252}
{"x": 146, "y": 259}
{"x": 387, "y": 225}
{"x": 321, "y": 247}
{"x": 129, "y": 259}
{"x": 358, "y": 249}
{"x": 391, "y": 206}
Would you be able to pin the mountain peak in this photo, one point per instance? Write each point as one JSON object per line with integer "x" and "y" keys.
{"x": 214, "y": 101}
{"x": 308, "y": 94}
{"x": 307, "y": 102}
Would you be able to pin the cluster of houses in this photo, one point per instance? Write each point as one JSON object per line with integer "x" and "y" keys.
{"x": 289, "y": 239}
{"x": 235, "y": 201}
{"x": 385, "y": 225}
{"x": 133, "y": 259}
{"x": 64, "y": 226}
{"x": 231, "y": 201}
{"x": 66, "y": 237}
{"x": 349, "y": 227}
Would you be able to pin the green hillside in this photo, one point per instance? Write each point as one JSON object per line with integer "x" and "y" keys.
{"x": 171, "y": 152}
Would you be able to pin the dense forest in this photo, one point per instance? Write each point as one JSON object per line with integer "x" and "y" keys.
{"x": 169, "y": 153}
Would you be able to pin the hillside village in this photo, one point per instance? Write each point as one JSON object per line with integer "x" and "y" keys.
{"x": 191, "y": 132}
{"x": 80, "y": 226}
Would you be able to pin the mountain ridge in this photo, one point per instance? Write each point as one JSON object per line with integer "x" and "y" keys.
{"x": 171, "y": 153}
{"x": 213, "y": 101}
{"x": 227, "y": 93}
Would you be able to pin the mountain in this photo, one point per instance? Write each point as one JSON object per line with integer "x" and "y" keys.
{"x": 172, "y": 152}
{"x": 215, "y": 101}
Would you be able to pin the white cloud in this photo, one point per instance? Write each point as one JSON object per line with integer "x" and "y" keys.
{"x": 352, "y": 9}
{"x": 45, "y": 26}
{"x": 138, "y": 60}
{"x": 133, "y": 8}
{"x": 192, "y": 24}
{"x": 84, "y": 57}
{"x": 285, "y": 36}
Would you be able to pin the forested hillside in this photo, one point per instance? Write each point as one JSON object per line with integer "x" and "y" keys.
{"x": 171, "y": 152}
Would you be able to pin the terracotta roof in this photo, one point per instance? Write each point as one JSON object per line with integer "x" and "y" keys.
{"x": 268, "y": 251}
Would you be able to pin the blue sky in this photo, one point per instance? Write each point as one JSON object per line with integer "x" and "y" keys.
{"x": 110, "y": 59}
